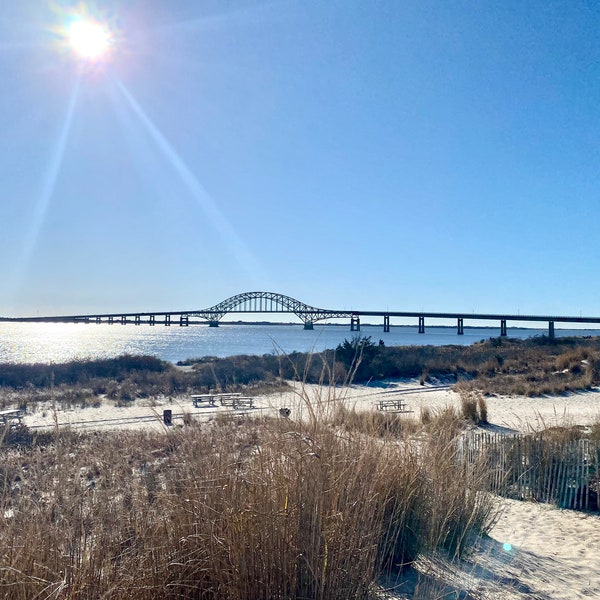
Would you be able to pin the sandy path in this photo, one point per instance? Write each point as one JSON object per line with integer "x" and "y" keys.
{"x": 539, "y": 551}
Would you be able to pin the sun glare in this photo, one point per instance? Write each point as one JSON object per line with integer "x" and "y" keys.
{"x": 89, "y": 40}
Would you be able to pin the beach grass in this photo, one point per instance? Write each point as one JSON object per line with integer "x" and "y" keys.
{"x": 236, "y": 508}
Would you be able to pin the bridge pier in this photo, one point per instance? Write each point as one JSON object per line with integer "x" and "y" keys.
{"x": 184, "y": 320}
{"x": 98, "y": 320}
{"x": 503, "y": 327}
{"x": 152, "y": 320}
{"x": 460, "y": 330}
{"x": 386, "y": 323}
{"x": 167, "y": 320}
{"x": 551, "y": 329}
{"x": 123, "y": 320}
{"x": 421, "y": 324}
{"x": 354, "y": 323}
{"x": 138, "y": 319}
{"x": 111, "y": 320}
{"x": 213, "y": 323}
{"x": 309, "y": 325}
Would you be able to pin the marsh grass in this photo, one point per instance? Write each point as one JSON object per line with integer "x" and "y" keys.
{"x": 236, "y": 509}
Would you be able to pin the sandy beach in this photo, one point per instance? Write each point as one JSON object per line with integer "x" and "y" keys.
{"x": 516, "y": 413}
{"x": 534, "y": 551}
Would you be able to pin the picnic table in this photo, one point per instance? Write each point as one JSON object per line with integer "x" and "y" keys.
{"x": 396, "y": 405}
{"x": 223, "y": 398}
{"x": 243, "y": 402}
{"x": 11, "y": 417}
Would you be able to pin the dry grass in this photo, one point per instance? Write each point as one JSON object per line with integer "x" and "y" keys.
{"x": 374, "y": 423}
{"x": 234, "y": 509}
{"x": 524, "y": 368}
{"x": 473, "y": 405}
{"x": 497, "y": 366}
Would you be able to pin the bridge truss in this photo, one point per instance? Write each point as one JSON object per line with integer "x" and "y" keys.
{"x": 268, "y": 302}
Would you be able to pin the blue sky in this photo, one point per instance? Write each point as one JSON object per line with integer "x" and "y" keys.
{"x": 401, "y": 155}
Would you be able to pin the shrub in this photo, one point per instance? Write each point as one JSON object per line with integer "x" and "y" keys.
{"x": 357, "y": 356}
{"x": 492, "y": 367}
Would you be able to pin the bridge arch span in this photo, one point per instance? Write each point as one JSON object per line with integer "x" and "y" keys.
{"x": 267, "y": 302}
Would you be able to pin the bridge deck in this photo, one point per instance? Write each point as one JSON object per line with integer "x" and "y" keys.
{"x": 131, "y": 317}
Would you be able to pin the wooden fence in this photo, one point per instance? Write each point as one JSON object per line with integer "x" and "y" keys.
{"x": 544, "y": 467}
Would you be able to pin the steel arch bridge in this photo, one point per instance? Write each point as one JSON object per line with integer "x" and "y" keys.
{"x": 268, "y": 302}
{"x": 271, "y": 302}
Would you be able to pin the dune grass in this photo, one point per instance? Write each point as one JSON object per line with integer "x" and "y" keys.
{"x": 235, "y": 509}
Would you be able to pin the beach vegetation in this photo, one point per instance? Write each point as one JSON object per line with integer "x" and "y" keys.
{"x": 257, "y": 508}
{"x": 532, "y": 367}
{"x": 473, "y": 406}
{"x": 320, "y": 507}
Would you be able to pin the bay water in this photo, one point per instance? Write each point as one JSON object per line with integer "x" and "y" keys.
{"x": 58, "y": 342}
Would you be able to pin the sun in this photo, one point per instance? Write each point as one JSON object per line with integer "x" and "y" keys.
{"x": 89, "y": 40}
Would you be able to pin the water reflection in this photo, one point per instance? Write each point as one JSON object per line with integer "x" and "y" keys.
{"x": 59, "y": 342}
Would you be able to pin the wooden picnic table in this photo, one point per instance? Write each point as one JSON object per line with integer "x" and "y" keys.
{"x": 391, "y": 405}
{"x": 199, "y": 399}
{"x": 243, "y": 402}
{"x": 11, "y": 417}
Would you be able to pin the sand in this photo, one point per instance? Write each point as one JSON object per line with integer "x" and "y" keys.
{"x": 534, "y": 551}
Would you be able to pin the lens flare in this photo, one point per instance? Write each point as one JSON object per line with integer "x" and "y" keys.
{"x": 47, "y": 193}
{"x": 88, "y": 39}
{"x": 243, "y": 254}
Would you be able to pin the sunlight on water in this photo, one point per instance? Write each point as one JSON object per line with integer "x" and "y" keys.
{"x": 57, "y": 342}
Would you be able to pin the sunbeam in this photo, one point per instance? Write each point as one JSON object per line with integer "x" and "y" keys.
{"x": 244, "y": 257}
{"x": 230, "y": 17}
{"x": 7, "y": 46}
{"x": 48, "y": 187}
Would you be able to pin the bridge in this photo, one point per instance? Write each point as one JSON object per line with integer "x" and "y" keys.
{"x": 271, "y": 302}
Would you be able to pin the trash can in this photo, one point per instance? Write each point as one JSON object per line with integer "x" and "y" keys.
{"x": 168, "y": 416}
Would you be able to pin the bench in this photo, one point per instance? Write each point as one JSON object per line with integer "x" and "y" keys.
{"x": 391, "y": 405}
